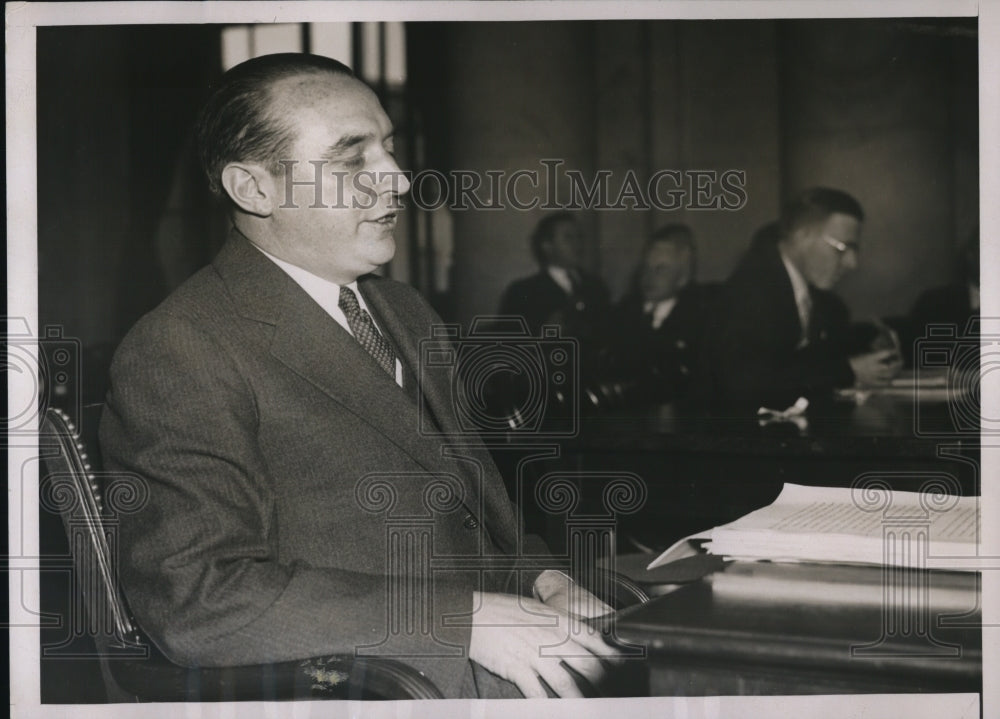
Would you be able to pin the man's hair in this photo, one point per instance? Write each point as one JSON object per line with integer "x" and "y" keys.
{"x": 545, "y": 230}
{"x": 238, "y": 123}
{"x": 815, "y": 205}
{"x": 677, "y": 234}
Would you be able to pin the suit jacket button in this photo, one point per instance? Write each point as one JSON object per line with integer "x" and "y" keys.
{"x": 470, "y": 522}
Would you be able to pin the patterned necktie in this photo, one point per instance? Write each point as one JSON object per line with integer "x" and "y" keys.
{"x": 366, "y": 333}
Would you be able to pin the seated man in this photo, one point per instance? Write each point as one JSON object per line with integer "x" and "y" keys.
{"x": 271, "y": 406}
{"x": 561, "y": 292}
{"x": 782, "y": 333}
{"x": 954, "y": 304}
{"x": 658, "y": 325}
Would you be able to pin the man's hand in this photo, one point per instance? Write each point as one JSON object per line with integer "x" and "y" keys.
{"x": 876, "y": 368}
{"x": 557, "y": 590}
{"x": 523, "y": 641}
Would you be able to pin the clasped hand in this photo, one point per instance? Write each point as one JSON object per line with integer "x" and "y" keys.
{"x": 528, "y": 640}
{"x": 876, "y": 368}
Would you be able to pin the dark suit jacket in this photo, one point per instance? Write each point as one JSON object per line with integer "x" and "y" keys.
{"x": 662, "y": 362}
{"x": 948, "y": 305}
{"x": 540, "y": 301}
{"x": 278, "y": 458}
{"x": 753, "y": 352}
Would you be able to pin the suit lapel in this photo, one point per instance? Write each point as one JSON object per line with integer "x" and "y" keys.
{"x": 432, "y": 397}
{"x": 314, "y": 346}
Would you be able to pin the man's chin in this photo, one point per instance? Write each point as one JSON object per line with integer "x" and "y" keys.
{"x": 383, "y": 251}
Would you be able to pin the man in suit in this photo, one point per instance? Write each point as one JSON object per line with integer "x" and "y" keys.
{"x": 783, "y": 333}
{"x": 658, "y": 325}
{"x": 561, "y": 292}
{"x": 272, "y": 406}
{"x": 955, "y": 304}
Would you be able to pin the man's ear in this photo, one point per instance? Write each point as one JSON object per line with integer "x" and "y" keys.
{"x": 250, "y": 187}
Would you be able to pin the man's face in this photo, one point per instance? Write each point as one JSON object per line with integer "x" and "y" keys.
{"x": 666, "y": 269}
{"x": 828, "y": 250}
{"x": 341, "y": 227}
{"x": 565, "y": 249}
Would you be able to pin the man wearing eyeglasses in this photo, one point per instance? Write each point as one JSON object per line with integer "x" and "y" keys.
{"x": 783, "y": 333}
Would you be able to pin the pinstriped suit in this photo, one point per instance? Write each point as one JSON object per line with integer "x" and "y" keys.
{"x": 271, "y": 443}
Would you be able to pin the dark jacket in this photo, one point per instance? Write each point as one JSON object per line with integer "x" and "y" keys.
{"x": 280, "y": 459}
{"x": 660, "y": 363}
{"x": 753, "y": 353}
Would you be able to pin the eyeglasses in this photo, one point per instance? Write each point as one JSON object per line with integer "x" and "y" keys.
{"x": 842, "y": 247}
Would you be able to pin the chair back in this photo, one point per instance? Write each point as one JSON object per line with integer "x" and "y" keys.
{"x": 89, "y": 502}
{"x": 75, "y": 487}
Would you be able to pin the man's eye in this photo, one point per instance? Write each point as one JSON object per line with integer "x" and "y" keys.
{"x": 355, "y": 162}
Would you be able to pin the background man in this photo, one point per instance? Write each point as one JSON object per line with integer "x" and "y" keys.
{"x": 561, "y": 292}
{"x": 782, "y": 332}
{"x": 954, "y": 304}
{"x": 657, "y": 327}
{"x": 271, "y": 405}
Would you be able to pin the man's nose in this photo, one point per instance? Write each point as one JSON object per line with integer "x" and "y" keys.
{"x": 849, "y": 260}
{"x": 391, "y": 178}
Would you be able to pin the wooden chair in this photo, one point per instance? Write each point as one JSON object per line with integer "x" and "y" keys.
{"x": 131, "y": 666}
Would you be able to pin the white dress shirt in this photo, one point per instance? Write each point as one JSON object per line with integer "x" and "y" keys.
{"x": 659, "y": 310}
{"x": 327, "y": 295}
{"x": 562, "y": 277}
{"x": 803, "y": 300}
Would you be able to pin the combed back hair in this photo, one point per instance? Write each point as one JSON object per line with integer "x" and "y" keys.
{"x": 676, "y": 233}
{"x": 238, "y": 123}
{"x": 545, "y": 230}
{"x": 815, "y": 205}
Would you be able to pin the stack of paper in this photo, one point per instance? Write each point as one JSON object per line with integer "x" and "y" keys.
{"x": 823, "y": 524}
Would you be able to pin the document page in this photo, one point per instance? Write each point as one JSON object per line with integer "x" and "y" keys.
{"x": 833, "y": 524}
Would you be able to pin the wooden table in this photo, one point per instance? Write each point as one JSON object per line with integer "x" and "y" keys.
{"x": 762, "y": 628}
{"x": 700, "y": 472}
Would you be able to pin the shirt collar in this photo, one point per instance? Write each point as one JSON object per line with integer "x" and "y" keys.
{"x": 799, "y": 285}
{"x": 325, "y": 293}
{"x": 659, "y": 310}
{"x": 561, "y": 276}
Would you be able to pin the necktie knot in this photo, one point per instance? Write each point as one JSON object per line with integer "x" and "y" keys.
{"x": 365, "y": 331}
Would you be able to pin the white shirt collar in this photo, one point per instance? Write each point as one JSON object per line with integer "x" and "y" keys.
{"x": 327, "y": 295}
{"x": 560, "y": 275}
{"x": 660, "y": 310}
{"x": 799, "y": 285}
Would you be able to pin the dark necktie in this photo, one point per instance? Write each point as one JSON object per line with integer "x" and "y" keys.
{"x": 366, "y": 333}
